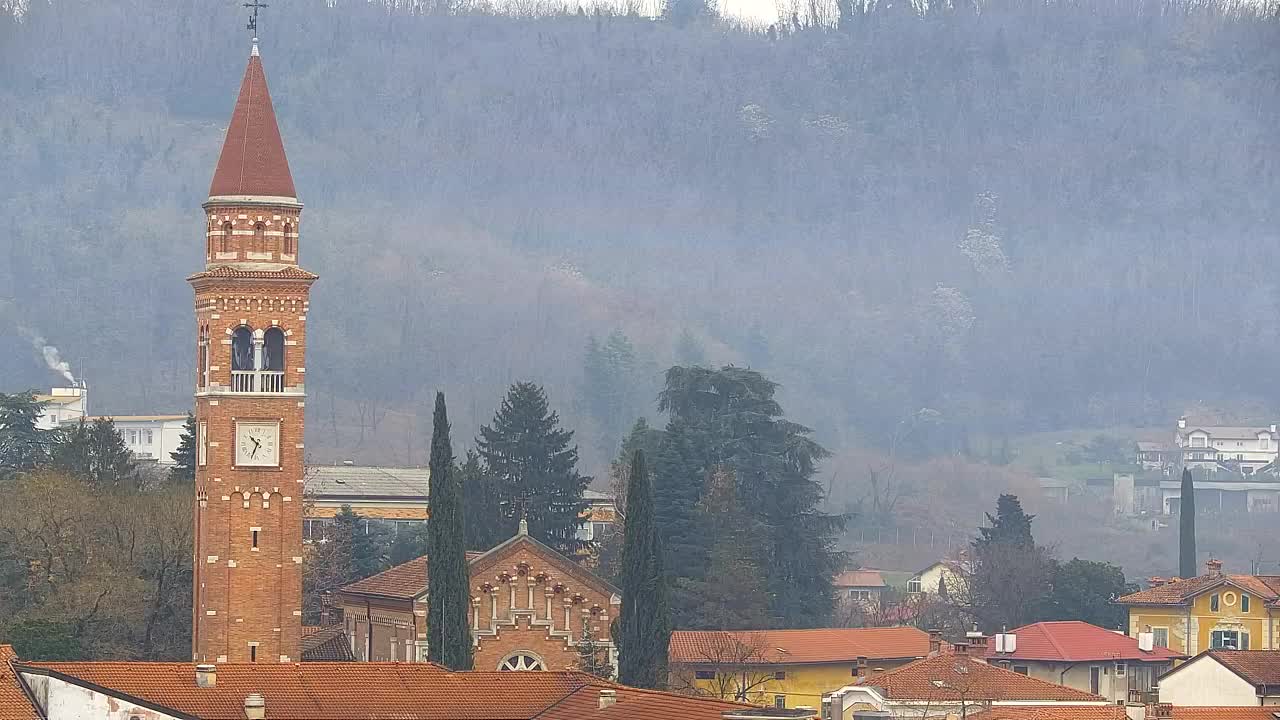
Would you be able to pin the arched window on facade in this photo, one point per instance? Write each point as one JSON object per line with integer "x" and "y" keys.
{"x": 520, "y": 661}
{"x": 289, "y": 241}
{"x": 273, "y": 360}
{"x": 202, "y": 358}
{"x": 259, "y": 238}
{"x": 242, "y": 360}
{"x": 224, "y": 242}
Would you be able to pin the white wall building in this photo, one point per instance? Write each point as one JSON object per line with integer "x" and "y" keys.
{"x": 149, "y": 437}
{"x": 62, "y": 405}
{"x": 1234, "y": 678}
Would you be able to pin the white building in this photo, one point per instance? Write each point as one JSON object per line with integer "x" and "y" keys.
{"x": 1235, "y": 449}
{"x": 1238, "y": 678}
{"x": 148, "y": 437}
{"x": 63, "y": 405}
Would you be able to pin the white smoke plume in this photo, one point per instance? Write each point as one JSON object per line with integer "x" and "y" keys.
{"x": 51, "y": 356}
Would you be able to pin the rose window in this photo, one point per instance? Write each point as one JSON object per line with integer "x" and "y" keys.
{"x": 521, "y": 661}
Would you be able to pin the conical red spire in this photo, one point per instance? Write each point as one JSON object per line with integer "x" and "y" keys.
{"x": 253, "y": 160}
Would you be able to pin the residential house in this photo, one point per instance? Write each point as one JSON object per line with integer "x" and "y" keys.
{"x": 313, "y": 691}
{"x": 1155, "y": 455}
{"x": 1225, "y": 678}
{"x": 396, "y": 499}
{"x": 787, "y": 668}
{"x": 1210, "y": 611}
{"x": 1235, "y": 449}
{"x": 1085, "y": 657}
{"x": 945, "y": 577}
{"x": 151, "y": 438}
{"x": 959, "y": 684}
{"x": 859, "y": 588}
{"x": 529, "y": 609}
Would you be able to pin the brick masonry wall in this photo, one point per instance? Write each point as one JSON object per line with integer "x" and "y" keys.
{"x": 247, "y": 597}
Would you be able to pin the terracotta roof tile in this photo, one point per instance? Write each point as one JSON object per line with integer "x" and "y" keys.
{"x": 287, "y": 272}
{"x": 1051, "y": 712}
{"x": 824, "y": 645}
{"x": 1256, "y": 712}
{"x": 326, "y": 644}
{"x": 1075, "y": 641}
{"x": 14, "y": 704}
{"x": 406, "y": 691}
{"x": 1182, "y": 591}
{"x": 405, "y": 581}
{"x": 1257, "y": 667}
{"x": 950, "y": 677}
{"x": 252, "y": 161}
{"x": 859, "y": 578}
{"x": 636, "y": 704}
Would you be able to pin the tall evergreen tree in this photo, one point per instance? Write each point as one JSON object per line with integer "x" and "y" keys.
{"x": 95, "y": 453}
{"x": 1010, "y": 581}
{"x": 448, "y": 582}
{"x": 1011, "y": 524}
{"x": 184, "y": 458}
{"x": 609, "y": 385}
{"x": 679, "y": 479}
{"x": 535, "y": 468}
{"x": 366, "y": 543}
{"x": 733, "y": 583}
{"x": 735, "y": 421}
{"x": 486, "y": 524}
{"x": 1187, "y": 527}
{"x": 23, "y": 445}
{"x": 644, "y": 628}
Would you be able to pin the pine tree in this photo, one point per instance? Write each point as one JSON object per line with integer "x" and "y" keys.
{"x": 644, "y": 628}
{"x": 1010, "y": 581}
{"x": 1010, "y": 525}
{"x": 366, "y": 543}
{"x": 448, "y": 581}
{"x": 184, "y": 458}
{"x": 23, "y": 445}
{"x": 1187, "y": 527}
{"x": 593, "y": 655}
{"x": 679, "y": 478}
{"x": 535, "y": 468}
{"x": 486, "y": 524}
{"x": 95, "y": 453}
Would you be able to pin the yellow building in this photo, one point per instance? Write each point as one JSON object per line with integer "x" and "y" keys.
{"x": 787, "y": 668}
{"x": 1214, "y": 610}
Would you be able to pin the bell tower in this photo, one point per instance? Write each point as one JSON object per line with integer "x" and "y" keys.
{"x": 251, "y": 304}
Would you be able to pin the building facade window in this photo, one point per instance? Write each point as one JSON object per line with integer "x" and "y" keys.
{"x": 779, "y": 701}
{"x": 704, "y": 674}
{"x": 1229, "y": 640}
{"x": 1021, "y": 669}
{"x": 913, "y": 585}
{"x": 1244, "y": 602}
{"x": 224, "y": 241}
{"x": 1160, "y": 636}
{"x": 521, "y": 661}
{"x": 1215, "y": 602}
{"x": 289, "y": 248}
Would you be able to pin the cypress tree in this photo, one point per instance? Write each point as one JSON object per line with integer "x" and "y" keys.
{"x": 1187, "y": 527}
{"x": 448, "y": 582}
{"x": 535, "y": 468}
{"x": 644, "y": 629}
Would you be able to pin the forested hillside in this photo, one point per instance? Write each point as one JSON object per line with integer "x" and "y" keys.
{"x": 1023, "y": 216}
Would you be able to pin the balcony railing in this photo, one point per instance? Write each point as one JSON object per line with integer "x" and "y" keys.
{"x": 261, "y": 381}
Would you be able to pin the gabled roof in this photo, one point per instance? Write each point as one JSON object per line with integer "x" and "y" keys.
{"x": 1181, "y": 592}
{"x": 863, "y": 578}
{"x": 326, "y": 644}
{"x": 14, "y": 703}
{"x": 1256, "y": 667}
{"x": 1075, "y": 641}
{"x": 952, "y": 677}
{"x": 789, "y": 647}
{"x": 1233, "y": 432}
{"x": 369, "y": 691}
{"x": 1255, "y": 712}
{"x": 252, "y": 161}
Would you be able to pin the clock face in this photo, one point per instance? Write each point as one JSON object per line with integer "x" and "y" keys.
{"x": 257, "y": 444}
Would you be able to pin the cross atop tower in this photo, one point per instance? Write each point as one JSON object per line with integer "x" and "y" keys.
{"x": 254, "y": 6}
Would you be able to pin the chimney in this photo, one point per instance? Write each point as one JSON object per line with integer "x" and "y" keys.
{"x": 255, "y": 707}
{"x": 206, "y": 676}
{"x": 608, "y": 698}
{"x": 1273, "y": 428}
{"x": 860, "y": 670}
{"x": 1155, "y": 581}
{"x": 935, "y": 641}
{"x": 961, "y": 648}
{"x": 1182, "y": 423}
{"x": 1160, "y": 711}
{"x": 1214, "y": 567}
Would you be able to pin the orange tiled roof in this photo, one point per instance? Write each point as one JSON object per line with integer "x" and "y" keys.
{"x": 405, "y": 581}
{"x": 823, "y": 645}
{"x": 358, "y": 691}
{"x": 952, "y": 677}
{"x": 1051, "y": 712}
{"x": 14, "y": 704}
{"x": 1075, "y": 641}
{"x": 1266, "y": 587}
{"x": 252, "y": 161}
{"x": 321, "y": 644}
{"x": 288, "y": 272}
{"x": 636, "y": 704}
{"x": 863, "y": 578}
{"x": 1255, "y": 712}
{"x": 1256, "y": 667}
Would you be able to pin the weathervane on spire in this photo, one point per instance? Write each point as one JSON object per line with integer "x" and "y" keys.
{"x": 255, "y": 6}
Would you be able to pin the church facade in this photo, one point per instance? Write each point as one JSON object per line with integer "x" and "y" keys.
{"x": 251, "y": 305}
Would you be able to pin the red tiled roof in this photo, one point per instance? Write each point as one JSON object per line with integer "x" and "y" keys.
{"x": 953, "y": 677}
{"x": 14, "y": 704}
{"x": 1051, "y": 712}
{"x": 823, "y": 645}
{"x": 1182, "y": 591}
{"x": 1256, "y": 667}
{"x": 1075, "y": 641}
{"x": 859, "y": 578}
{"x": 636, "y": 704}
{"x": 253, "y": 160}
{"x": 405, "y": 581}
{"x": 359, "y": 691}
{"x": 1255, "y": 712}
{"x": 288, "y": 272}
